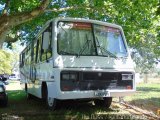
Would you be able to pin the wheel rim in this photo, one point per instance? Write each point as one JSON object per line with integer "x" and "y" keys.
{"x": 50, "y": 101}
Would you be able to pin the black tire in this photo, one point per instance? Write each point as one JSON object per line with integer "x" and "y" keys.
{"x": 26, "y": 87}
{"x": 44, "y": 92}
{"x": 4, "y": 102}
{"x": 29, "y": 96}
{"x": 105, "y": 102}
{"x": 51, "y": 103}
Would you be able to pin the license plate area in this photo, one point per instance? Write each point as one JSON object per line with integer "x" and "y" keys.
{"x": 102, "y": 93}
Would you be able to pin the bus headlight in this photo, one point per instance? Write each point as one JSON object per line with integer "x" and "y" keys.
{"x": 73, "y": 76}
{"x": 65, "y": 76}
{"x": 127, "y": 76}
{"x": 68, "y": 76}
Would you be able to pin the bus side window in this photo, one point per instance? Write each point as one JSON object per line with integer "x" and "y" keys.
{"x": 35, "y": 46}
{"x": 47, "y": 53}
{"x": 29, "y": 57}
{"x": 22, "y": 59}
{"x": 37, "y": 51}
{"x": 34, "y": 51}
{"x": 39, "y": 55}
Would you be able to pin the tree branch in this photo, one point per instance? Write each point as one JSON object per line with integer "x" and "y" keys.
{"x": 7, "y": 22}
{"x": 41, "y": 8}
{"x": 67, "y": 8}
{"x": 11, "y": 39}
{"x": 24, "y": 17}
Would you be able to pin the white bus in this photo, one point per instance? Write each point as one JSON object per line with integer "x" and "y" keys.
{"x": 78, "y": 59}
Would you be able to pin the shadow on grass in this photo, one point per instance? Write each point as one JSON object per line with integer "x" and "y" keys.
{"x": 148, "y": 97}
{"x": 36, "y": 109}
{"x": 151, "y": 104}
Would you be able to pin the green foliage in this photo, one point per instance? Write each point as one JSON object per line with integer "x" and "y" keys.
{"x": 136, "y": 20}
{"x": 8, "y": 62}
{"x": 17, "y": 6}
{"x": 5, "y": 62}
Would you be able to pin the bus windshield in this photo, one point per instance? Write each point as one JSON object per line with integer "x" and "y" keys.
{"x": 87, "y": 39}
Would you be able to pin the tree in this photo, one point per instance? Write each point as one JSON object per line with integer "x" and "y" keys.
{"x": 5, "y": 62}
{"x": 18, "y": 19}
{"x": 9, "y": 60}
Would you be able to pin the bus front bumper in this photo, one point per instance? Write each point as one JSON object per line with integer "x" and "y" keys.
{"x": 93, "y": 94}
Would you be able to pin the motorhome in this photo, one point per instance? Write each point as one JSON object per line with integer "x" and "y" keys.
{"x": 73, "y": 58}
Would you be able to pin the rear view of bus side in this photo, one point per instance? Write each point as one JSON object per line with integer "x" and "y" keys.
{"x": 77, "y": 59}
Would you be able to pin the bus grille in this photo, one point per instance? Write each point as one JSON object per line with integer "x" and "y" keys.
{"x": 95, "y": 81}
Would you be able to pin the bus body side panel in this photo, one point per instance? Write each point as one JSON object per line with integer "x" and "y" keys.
{"x": 44, "y": 73}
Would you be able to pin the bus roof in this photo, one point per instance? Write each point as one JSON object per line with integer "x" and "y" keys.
{"x": 87, "y": 20}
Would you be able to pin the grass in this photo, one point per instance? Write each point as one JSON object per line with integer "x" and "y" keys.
{"x": 147, "y": 97}
{"x": 36, "y": 109}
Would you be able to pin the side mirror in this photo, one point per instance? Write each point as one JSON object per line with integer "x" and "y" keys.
{"x": 46, "y": 38}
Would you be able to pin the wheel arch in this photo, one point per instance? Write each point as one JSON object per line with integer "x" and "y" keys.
{"x": 44, "y": 90}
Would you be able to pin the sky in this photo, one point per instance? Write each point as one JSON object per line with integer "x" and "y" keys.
{"x": 1, "y": 7}
{"x": 17, "y": 47}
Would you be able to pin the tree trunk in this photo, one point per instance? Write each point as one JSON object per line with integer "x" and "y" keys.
{"x": 145, "y": 78}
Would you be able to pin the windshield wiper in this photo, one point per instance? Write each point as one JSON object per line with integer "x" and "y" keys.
{"x": 106, "y": 51}
{"x": 84, "y": 46}
{"x": 67, "y": 53}
{"x": 109, "y": 53}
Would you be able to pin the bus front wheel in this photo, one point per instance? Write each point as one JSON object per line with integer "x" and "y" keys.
{"x": 105, "y": 102}
{"x": 51, "y": 103}
{"x": 29, "y": 96}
